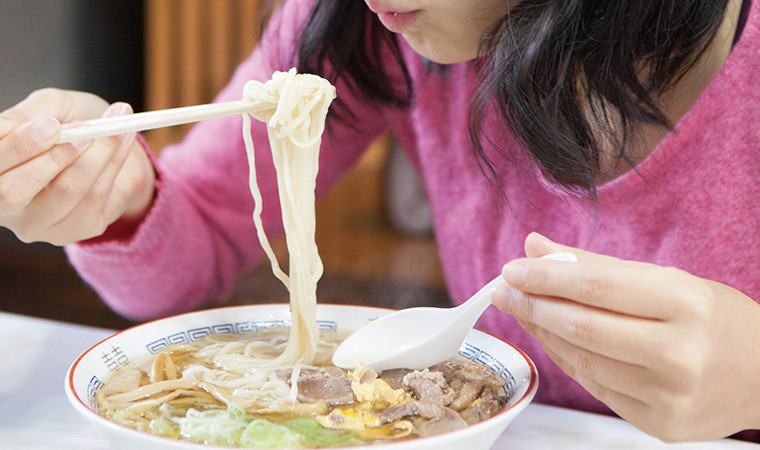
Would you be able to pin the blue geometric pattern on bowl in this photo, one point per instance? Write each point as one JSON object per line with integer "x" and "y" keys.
{"x": 473, "y": 353}
{"x": 92, "y": 389}
{"x": 250, "y": 326}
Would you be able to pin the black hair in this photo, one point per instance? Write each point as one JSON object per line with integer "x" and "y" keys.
{"x": 334, "y": 23}
{"x": 564, "y": 74}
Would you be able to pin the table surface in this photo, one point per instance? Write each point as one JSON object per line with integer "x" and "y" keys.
{"x": 35, "y": 414}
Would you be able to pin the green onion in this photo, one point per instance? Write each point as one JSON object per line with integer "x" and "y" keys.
{"x": 315, "y": 435}
{"x": 262, "y": 433}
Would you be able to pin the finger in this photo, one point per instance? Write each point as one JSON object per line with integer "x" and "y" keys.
{"x": 101, "y": 193}
{"x": 537, "y": 245}
{"x": 24, "y": 182}
{"x": 61, "y": 195}
{"x": 640, "y": 381}
{"x": 37, "y": 119}
{"x": 606, "y": 283}
{"x": 597, "y": 330}
{"x": 27, "y": 141}
{"x": 66, "y": 106}
{"x": 134, "y": 186}
{"x": 6, "y": 126}
{"x": 612, "y": 283}
{"x": 625, "y": 406}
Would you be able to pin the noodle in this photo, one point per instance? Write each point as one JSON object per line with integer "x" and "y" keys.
{"x": 295, "y": 129}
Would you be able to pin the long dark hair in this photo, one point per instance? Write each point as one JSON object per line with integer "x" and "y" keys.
{"x": 564, "y": 74}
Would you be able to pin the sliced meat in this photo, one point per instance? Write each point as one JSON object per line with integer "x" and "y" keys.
{"x": 439, "y": 418}
{"x": 395, "y": 413}
{"x": 327, "y": 385}
{"x": 450, "y": 421}
{"x": 446, "y": 368}
{"x": 487, "y": 405}
{"x": 394, "y": 377}
{"x": 469, "y": 381}
{"x": 429, "y": 386}
{"x": 423, "y": 408}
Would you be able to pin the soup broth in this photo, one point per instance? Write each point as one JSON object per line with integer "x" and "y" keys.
{"x": 225, "y": 390}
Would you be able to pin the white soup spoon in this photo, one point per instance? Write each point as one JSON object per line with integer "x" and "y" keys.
{"x": 416, "y": 338}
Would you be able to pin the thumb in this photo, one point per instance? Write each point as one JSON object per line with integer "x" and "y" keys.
{"x": 537, "y": 245}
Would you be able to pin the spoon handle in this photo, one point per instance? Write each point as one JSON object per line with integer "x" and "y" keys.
{"x": 473, "y": 308}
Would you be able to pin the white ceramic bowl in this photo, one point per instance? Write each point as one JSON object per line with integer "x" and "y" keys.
{"x": 94, "y": 366}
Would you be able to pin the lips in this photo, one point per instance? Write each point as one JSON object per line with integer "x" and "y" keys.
{"x": 398, "y": 22}
{"x": 395, "y": 19}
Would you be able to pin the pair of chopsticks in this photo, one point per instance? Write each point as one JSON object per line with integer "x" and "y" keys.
{"x": 111, "y": 126}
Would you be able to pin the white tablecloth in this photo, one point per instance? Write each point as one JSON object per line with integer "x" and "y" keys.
{"x": 35, "y": 414}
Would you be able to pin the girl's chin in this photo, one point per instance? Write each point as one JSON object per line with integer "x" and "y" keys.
{"x": 438, "y": 53}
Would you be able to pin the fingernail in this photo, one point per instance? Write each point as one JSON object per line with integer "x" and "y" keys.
{"x": 79, "y": 145}
{"x": 129, "y": 139}
{"x": 515, "y": 273}
{"x": 45, "y": 129}
{"x": 118, "y": 109}
{"x": 540, "y": 237}
{"x": 40, "y": 130}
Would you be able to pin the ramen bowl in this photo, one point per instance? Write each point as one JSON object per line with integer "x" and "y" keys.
{"x": 93, "y": 367}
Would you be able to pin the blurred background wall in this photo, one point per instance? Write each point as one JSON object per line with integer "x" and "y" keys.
{"x": 94, "y": 45}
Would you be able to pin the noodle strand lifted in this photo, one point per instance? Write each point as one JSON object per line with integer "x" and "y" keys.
{"x": 295, "y": 129}
{"x": 277, "y": 388}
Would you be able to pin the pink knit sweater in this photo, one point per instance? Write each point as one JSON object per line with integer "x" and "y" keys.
{"x": 694, "y": 203}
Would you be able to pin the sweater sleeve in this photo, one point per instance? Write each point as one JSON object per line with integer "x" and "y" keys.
{"x": 199, "y": 235}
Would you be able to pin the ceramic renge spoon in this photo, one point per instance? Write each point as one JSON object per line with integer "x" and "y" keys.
{"x": 416, "y": 338}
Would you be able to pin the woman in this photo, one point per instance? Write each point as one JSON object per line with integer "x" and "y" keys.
{"x": 621, "y": 129}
